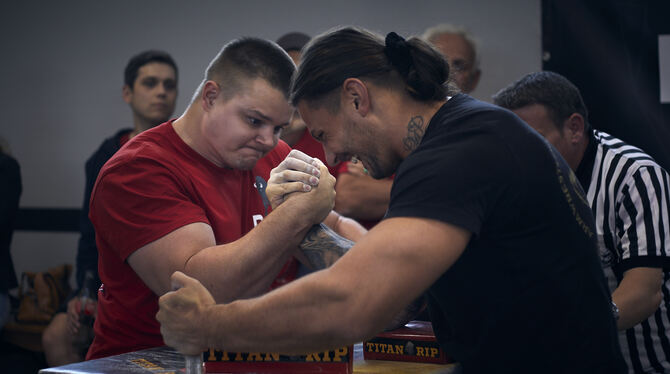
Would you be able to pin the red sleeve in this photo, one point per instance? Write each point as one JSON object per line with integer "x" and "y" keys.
{"x": 140, "y": 203}
{"x": 340, "y": 168}
{"x": 282, "y": 149}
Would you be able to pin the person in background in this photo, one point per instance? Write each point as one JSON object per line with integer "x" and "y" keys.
{"x": 10, "y": 193}
{"x": 482, "y": 218}
{"x": 460, "y": 49}
{"x": 190, "y": 195}
{"x": 150, "y": 90}
{"x": 629, "y": 194}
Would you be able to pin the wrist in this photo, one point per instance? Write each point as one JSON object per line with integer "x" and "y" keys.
{"x": 304, "y": 214}
{"x": 204, "y": 327}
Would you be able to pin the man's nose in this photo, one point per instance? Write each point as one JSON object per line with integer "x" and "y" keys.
{"x": 161, "y": 89}
{"x": 266, "y": 136}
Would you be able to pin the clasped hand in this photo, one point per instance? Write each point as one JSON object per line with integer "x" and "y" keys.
{"x": 306, "y": 178}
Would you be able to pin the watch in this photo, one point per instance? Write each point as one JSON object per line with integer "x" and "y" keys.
{"x": 615, "y": 311}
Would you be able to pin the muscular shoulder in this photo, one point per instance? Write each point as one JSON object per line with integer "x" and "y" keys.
{"x": 473, "y": 160}
{"x": 470, "y": 136}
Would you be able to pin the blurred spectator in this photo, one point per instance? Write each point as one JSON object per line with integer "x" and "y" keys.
{"x": 10, "y": 191}
{"x": 150, "y": 89}
{"x": 460, "y": 48}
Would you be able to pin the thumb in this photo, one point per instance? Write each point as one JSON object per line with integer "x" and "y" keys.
{"x": 179, "y": 280}
{"x": 195, "y": 289}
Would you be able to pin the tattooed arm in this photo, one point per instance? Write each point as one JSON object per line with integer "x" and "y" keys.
{"x": 323, "y": 246}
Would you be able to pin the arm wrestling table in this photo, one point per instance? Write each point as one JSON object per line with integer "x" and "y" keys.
{"x": 164, "y": 360}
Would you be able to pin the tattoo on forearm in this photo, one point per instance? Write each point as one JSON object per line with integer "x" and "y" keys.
{"x": 323, "y": 246}
{"x": 415, "y": 130}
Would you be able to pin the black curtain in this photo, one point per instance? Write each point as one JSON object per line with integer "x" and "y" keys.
{"x": 609, "y": 50}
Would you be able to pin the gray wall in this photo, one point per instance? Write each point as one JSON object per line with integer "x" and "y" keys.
{"x": 62, "y": 63}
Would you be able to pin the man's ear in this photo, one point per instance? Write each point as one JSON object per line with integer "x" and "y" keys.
{"x": 355, "y": 95}
{"x": 575, "y": 126}
{"x": 210, "y": 91}
{"x": 126, "y": 93}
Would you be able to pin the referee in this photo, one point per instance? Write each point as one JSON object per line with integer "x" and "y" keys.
{"x": 629, "y": 195}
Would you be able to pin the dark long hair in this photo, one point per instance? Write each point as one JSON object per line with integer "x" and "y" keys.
{"x": 329, "y": 59}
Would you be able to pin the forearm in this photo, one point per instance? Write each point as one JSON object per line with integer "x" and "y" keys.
{"x": 290, "y": 320}
{"x": 321, "y": 247}
{"x": 345, "y": 226}
{"x": 362, "y": 197}
{"x": 352, "y": 300}
{"x": 637, "y": 296}
{"x": 246, "y": 267}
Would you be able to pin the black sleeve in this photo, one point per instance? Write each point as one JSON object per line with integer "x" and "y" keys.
{"x": 87, "y": 251}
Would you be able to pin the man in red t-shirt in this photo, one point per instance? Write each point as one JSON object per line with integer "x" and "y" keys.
{"x": 186, "y": 196}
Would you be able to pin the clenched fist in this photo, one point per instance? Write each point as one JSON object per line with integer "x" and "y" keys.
{"x": 182, "y": 314}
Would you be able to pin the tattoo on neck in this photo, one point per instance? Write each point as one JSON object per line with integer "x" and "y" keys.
{"x": 323, "y": 246}
{"x": 415, "y": 130}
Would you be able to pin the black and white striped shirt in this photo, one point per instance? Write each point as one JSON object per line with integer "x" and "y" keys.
{"x": 629, "y": 194}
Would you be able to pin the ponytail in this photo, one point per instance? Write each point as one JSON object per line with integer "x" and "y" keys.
{"x": 393, "y": 62}
{"x": 424, "y": 70}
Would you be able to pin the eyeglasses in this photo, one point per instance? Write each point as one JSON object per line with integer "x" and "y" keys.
{"x": 459, "y": 66}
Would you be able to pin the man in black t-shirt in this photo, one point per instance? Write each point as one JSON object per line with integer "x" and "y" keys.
{"x": 532, "y": 241}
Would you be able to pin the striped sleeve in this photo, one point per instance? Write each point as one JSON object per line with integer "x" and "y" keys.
{"x": 642, "y": 219}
